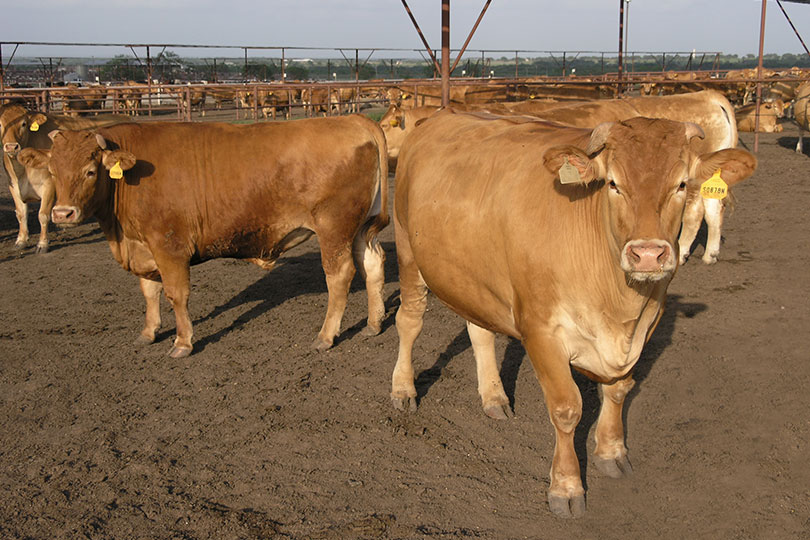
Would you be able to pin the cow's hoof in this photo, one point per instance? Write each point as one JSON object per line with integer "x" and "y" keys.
{"x": 566, "y": 508}
{"x": 404, "y": 403}
{"x": 179, "y": 352}
{"x": 615, "y": 468}
{"x": 142, "y": 341}
{"x": 320, "y": 344}
{"x": 42, "y": 249}
{"x": 498, "y": 412}
{"x": 682, "y": 260}
{"x": 710, "y": 258}
{"x": 369, "y": 331}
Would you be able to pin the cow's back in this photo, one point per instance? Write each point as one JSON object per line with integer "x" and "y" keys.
{"x": 497, "y": 216}
{"x": 226, "y": 190}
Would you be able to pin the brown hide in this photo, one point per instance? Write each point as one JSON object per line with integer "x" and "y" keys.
{"x": 201, "y": 191}
{"x": 483, "y": 221}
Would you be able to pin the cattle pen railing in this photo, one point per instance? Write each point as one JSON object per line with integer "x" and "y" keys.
{"x": 268, "y": 100}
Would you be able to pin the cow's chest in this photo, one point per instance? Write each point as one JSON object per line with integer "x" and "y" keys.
{"x": 607, "y": 344}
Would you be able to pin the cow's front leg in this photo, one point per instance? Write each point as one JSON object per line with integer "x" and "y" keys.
{"x": 490, "y": 386}
{"x": 175, "y": 276}
{"x": 339, "y": 270}
{"x": 45, "y": 207}
{"x": 610, "y": 455}
{"x": 566, "y": 496}
{"x": 151, "y": 293}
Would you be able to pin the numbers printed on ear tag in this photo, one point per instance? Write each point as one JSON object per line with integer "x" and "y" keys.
{"x": 116, "y": 171}
{"x": 569, "y": 174}
{"x": 34, "y": 126}
{"x": 714, "y": 187}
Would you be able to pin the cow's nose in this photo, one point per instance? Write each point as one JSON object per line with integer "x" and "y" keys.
{"x": 63, "y": 214}
{"x": 647, "y": 256}
{"x": 11, "y": 148}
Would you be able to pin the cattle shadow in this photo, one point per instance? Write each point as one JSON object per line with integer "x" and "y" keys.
{"x": 295, "y": 275}
{"x": 791, "y": 142}
{"x": 591, "y": 402}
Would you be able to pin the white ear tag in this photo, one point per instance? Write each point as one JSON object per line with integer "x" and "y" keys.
{"x": 569, "y": 174}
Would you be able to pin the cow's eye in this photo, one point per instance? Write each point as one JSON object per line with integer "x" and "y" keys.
{"x": 612, "y": 185}
{"x": 682, "y": 186}
{"x": 90, "y": 173}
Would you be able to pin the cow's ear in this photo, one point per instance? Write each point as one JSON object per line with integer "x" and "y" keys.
{"x": 54, "y": 134}
{"x": 570, "y": 164}
{"x": 124, "y": 159}
{"x": 34, "y": 158}
{"x": 735, "y": 165}
{"x": 36, "y": 120}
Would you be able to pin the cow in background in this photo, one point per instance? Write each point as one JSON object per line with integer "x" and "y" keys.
{"x": 29, "y": 185}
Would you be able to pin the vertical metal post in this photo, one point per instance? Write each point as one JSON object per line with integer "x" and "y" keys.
{"x": 482, "y": 64}
{"x": 356, "y": 65}
{"x": 563, "y": 63}
{"x": 283, "y": 69}
{"x": 187, "y": 108}
{"x": 621, "y": 43}
{"x": 149, "y": 82}
{"x": 759, "y": 76}
{"x": 516, "y": 64}
{"x": 246, "y": 70}
{"x": 445, "y": 53}
{"x": 2, "y": 80}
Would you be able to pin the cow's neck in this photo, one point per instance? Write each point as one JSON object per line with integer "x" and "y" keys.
{"x": 105, "y": 203}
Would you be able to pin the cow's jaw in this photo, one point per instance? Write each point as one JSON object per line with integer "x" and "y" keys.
{"x": 648, "y": 260}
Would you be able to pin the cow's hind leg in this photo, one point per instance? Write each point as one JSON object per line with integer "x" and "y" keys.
{"x": 566, "y": 496}
{"x": 490, "y": 387}
{"x": 151, "y": 293}
{"x": 692, "y": 218}
{"x": 413, "y": 301}
{"x": 610, "y": 455}
{"x": 336, "y": 258}
{"x": 370, "y": 261}
{"x": 714, "y": 223}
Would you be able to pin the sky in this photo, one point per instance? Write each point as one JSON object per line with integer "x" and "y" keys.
{"x": 728, "y": 26}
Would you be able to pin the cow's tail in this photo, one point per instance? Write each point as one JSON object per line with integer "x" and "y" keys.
{"x": 378, "y": 218}
{"x": 731, "y": 119}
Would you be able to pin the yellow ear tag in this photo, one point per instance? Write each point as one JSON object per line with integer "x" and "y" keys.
{"x": 569, "y": 174}
{"x": 714, "y": 187}
{"x": 116, "y": 172}
{"x": 34, "y": 127}
{"x": 394, "y": 122}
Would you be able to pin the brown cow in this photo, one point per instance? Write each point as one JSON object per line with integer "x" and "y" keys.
{"x": 564, "y": 238}
{"x": 29, "y": 185}
{"x": 189, "y": 192}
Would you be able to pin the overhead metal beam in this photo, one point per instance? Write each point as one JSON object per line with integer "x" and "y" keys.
{"x": 421, "y": 36}
{"x": 469, "y": 37}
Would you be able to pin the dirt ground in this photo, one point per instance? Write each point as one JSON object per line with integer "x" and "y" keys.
{"x": 255, "y": 436}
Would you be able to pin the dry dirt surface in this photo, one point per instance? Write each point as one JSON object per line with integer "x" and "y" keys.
{"x": 255, "y": 436}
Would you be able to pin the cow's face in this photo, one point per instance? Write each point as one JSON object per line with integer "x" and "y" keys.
{"x": 393, "y": 126}
{"x": 80, "y": 165}
{"x": 647, "y": 168}
{"x": 18, "y": 132}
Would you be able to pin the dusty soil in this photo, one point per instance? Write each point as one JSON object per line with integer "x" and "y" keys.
{"x": 256, "y": 436}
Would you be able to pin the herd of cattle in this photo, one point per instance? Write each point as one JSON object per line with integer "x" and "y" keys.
{"x": 558, "y": 224}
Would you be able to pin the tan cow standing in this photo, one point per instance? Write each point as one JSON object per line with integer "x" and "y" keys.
{"x": 168, "y": 195}
{"x": 29, "y": 185}
{"x": 563, "y": 238}
{"x": 800, "y": 113}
